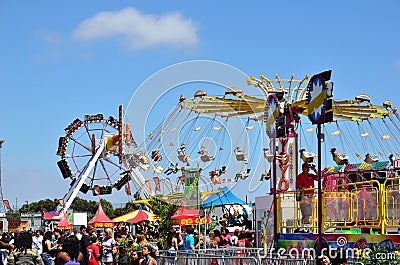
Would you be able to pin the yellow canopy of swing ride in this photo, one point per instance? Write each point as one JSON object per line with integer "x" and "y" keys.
{"x": 295, "y": 95}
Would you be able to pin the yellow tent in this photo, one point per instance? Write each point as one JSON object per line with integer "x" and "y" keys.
{"x": 126, "y": 217}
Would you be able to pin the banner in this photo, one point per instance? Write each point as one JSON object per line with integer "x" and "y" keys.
{"x": 191, "y": 188}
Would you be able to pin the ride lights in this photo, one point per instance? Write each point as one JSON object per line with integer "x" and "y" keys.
{"x": 62, "y": 146}
{"x": 64, "y": 168}
{"x": 122, "y": 181}
{"x": 113, "y": 122}
{"x": 74, "y": 126}
{"x": 94, "y": 118}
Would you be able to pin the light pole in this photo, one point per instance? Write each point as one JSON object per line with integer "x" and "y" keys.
{"x": 2, "y": 208}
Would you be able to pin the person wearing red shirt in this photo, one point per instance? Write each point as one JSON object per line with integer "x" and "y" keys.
{"x": 93, "y": 251}
{"x": 305, "y": 183}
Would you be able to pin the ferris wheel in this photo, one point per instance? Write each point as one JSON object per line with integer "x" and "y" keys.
{"x": 98, "y": 155}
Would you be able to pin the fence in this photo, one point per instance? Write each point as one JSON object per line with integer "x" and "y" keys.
{"x": 228, "y": 256}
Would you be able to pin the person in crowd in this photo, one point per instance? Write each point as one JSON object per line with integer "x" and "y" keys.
{"x": 58, "y": 240}
{"x": 70, "y": 254}
{"x": 225, "y": 237}
{"x": 200, "y": 243}
{"x": 181, "y": 242}
{"x": 243, "y": 242}
{"x": 115, "y": 254}
{"x": 136, "y": 257}
{"x": 84, "y": 243}
{"x": 217, "y": 236}
{"x": 235, "y": 237}
{"x": 93, "y": 251}
{"x": 23, "y": 250}
{"x": 141, "y": 240}
{"x": 37, "y": 240}
{"x": 172, "y": 243}
{"x": 5, "y": 248}
{"x": 108, "y": 243}
{"x": 123, "y": 258}
{"x": 211, "y": 242}
{"x": 305, "y": 181}
{"x": 90, "y": 230}
{"x": 48, "y": 248}
{"x": 189, "y": 240}
{"x": 148, "y": 259}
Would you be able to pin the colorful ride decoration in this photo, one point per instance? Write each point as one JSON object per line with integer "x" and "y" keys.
{"x": 100, "y": 219}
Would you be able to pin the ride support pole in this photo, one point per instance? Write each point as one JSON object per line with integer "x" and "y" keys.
{"x": 320, "y": 221}
{"x": 274, "y": 192}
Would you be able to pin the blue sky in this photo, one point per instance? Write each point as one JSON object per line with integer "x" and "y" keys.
{"x": 61, "y": 60}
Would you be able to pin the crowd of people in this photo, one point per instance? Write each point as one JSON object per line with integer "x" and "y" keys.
{"x": 83, "y": 247}
{"x": 90, "y": 247}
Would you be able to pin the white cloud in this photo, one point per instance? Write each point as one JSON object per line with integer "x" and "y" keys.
{"x": 140, "y": 30}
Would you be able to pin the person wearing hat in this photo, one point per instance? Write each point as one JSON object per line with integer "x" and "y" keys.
{"x": 305, "y": 184}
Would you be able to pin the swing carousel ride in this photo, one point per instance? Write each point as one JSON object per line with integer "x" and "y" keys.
{"x": 360, "y": 180}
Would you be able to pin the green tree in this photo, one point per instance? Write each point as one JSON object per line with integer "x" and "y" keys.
{"x": 107, "y": 208}
{"x": 164, "y": 210}
{"x": 380, "y": 256}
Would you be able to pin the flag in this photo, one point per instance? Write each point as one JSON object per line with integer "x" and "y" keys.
{"x": 157, "y": 183}
{"x": 148, "y": 186}
{"x": 128, "y": 189}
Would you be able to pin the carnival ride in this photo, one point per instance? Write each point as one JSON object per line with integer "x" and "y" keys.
{"x": 360, "y": 177}
{"x": 360, "y": 182}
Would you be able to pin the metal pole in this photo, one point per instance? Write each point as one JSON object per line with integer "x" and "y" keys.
{"x": 320, "y": 221}
{"x": 274, "y": 193}
{"x": 2, "y": 207}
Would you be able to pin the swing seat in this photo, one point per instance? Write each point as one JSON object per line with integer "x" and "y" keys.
{"x": 206, "y": 158}
{"x": 341, "y": 160}
{"x": 371, "y": 159}
{"x": 268, "y": 155}
{"x": 307, "y": 157}
{"x": 240, "y": 155}
{"x": 145, "y": 166}
{"x": 183, "y": 157}
{"x": 158, "y": 169}
{"x": 156, "y": 157}
{"x": 265, "y": 176}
